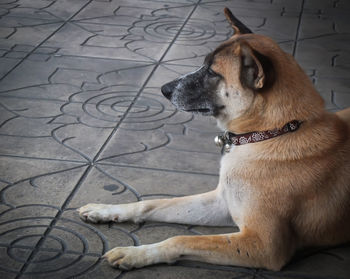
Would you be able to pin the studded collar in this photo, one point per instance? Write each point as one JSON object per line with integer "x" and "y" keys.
{"x": 227, "y": 139}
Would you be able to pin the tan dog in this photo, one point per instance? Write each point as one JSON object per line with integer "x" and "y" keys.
{"x": 288, "y": 188}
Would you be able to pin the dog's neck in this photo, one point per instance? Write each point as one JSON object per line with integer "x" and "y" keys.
{"x": 227, "y": 138}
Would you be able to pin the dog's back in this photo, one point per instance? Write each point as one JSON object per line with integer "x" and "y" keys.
{"x": 323, "y": 218}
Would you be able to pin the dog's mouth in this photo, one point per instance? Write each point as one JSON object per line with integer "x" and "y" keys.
{"x": 199, "y": 110}
{"x": 205, "y": 110}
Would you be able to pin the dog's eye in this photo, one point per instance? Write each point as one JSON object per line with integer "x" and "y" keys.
{"x": 211, "y": 72}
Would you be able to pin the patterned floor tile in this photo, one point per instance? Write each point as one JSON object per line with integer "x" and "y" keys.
{"x": 82, "y": 120}
{"x": 172, "y": 144}
{"x": 75, "y": 71}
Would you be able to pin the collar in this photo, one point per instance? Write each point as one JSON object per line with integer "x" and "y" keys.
{"x": 227, "y": 139}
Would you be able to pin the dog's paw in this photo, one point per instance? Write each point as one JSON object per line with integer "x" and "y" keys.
{"x": 98, "y": 213}
{"x": 127, "y": 258}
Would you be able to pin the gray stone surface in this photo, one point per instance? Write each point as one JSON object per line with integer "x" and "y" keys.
{"x": 82, "y": 120}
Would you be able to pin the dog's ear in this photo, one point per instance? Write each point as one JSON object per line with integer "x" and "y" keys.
{"x": 237, "y": 25}
{"x": 256, "y": 70}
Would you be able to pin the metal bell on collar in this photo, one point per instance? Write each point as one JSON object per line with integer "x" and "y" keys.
{"x": 224, "y": 142}
{"x": 227, "y": 147}
{"x": 219, "y": 141}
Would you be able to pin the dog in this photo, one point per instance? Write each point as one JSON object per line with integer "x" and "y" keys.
{"x": 285, "y": 172}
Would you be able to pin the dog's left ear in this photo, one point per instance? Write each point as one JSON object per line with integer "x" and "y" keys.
{"x": 252, "y": 74}
{"x": 236, "y": 24}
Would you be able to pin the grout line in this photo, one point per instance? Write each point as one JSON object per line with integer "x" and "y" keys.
{"x": 42, "y": 158}
{"x": 90, "y": 167}
{"x": 52, "y": 224}
{"x": 145, "y": 83}
{"x": 47, "y": 38}
{"x": 298, "y": 28}
{"x": 56, "y": 250}
{"x": 117, "y": 93}
{"x": 82, "y": 178}
{"x": 148, "y": 61}
{"x": 155, "y": 169}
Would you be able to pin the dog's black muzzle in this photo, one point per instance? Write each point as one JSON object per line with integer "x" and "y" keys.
{"x": 168, "y": 88}
{"x": 194, "y": 92}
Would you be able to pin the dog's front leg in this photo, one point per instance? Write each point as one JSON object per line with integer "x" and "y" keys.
{"x": 243, "y": 249}
{"x": 202, "y": 209}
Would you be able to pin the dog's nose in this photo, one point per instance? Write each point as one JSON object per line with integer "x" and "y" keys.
{"x": 168, "y": 88}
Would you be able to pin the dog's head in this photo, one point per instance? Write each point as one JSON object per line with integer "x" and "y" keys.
{"x": 241, "y": 81}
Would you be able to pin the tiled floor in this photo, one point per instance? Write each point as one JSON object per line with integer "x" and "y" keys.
{"x": 82, "y": 120}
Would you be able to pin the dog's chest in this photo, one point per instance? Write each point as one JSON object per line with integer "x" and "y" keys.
{"x": 235, "y": 188}
{"x": 233, "y": 164}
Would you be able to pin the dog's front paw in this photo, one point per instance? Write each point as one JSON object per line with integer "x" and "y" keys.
{"x": 99, "y": 213}
{"x": 125, "y": 257}
{"x": 139, "y": 256}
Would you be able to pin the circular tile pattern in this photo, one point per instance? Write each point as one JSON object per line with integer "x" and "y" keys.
{"x": 108, "y": 108}
{"x": 53, "y": 248}
{"x": 194, "y": 30}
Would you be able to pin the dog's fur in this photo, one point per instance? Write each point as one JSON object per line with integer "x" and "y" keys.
{"x": 284, "y": 193}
